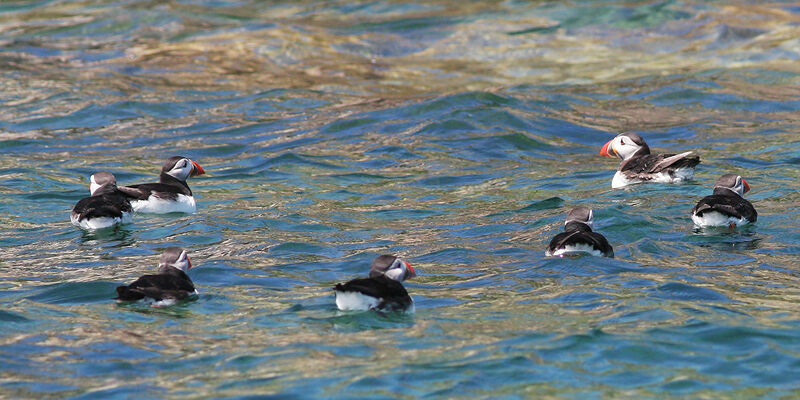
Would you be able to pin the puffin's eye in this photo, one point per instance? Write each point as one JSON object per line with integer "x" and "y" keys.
{"x": 622, "y": 142}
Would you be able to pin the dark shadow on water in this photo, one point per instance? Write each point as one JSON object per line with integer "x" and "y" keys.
{"x": 733, "y": 245}
{"x": 116, "y": 233}
{"x": 550, "y": 203}
{"x": 178, "y": 310}
{"x": 357, "y": 321}
{"x": 11, "y": 317}
{"x": 726, "y": 239}
{"x": 579, "y": 264}
{"x": 69, "y": 293}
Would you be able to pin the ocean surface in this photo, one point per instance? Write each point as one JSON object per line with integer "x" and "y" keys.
{"x": 454, "y": 134}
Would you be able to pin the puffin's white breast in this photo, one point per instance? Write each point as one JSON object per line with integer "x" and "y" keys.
{"x": 165, "y": 302}
{"x": 355, "y": 301}
{"x": 100, "y": 222}
{"x": 156, "y": 205}
{"x": 714, "y": 218}
{"x": 679, "y": 175}
{"x": 577, "y": 248}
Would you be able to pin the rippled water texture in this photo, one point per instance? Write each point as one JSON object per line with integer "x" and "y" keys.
{"x": 456, "y": 135}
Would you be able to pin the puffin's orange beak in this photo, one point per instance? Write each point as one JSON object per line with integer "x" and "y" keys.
{"x": 197, "y": 170}
{"x": 411, "y": 272}
{"x": 746, "y": 186}
{"x": 606, "y": 148}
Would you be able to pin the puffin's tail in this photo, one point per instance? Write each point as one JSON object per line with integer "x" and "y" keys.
{"x": 125, "y": 293}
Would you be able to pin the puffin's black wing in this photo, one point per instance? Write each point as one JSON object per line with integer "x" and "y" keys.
{"x": 158, "y": 287}
{"x": 593, "y": 239}
{"x": 675, "y": 161}
{"x": 106, "y": 205}
{"x": 732, "y": 206}
{"x": 392, "y": 293}
{"x": 145, "y": 190}
{"x": 643, "y": 166}
{"x": 600, "y": 243}
{"x": 560, "y": 240}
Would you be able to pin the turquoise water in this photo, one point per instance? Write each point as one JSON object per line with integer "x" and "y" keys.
{"x": 454, "y": 135}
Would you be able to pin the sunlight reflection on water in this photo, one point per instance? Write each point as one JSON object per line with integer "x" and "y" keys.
{"x": 454, "y": 135}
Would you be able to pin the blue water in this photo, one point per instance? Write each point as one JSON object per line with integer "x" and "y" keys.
{"x": 454, "y": 135}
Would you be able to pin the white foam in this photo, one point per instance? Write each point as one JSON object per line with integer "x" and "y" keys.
{"x": 161, "y": 303}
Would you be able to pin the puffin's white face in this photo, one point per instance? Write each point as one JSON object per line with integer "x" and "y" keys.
{"x": 621, "y": 146}
{"x": 93, "y": 186}
{"x": 182, "y": 262}
{"x": 100, "y": 179}
{"x": 589, "y": 221}
{"x": 741, "y": 186}
{"x": 400, "y": 270}
{"x": 734, "y": 183}
{"x": 182, "y": 169}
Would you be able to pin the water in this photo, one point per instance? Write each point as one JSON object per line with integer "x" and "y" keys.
{"x": 454, "y": 135}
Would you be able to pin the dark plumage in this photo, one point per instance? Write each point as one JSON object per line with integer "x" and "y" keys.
{"x": 163, "y": 190}
{"x": 726, "y": 206}
{"x": 391, "y": 295}
{"x": 645, "y": 166}
{"x": 169, "y": 285}
{"x": 578, "y": 236}
{"x": 106, "y": 206}
{"x": 381, "y": 291}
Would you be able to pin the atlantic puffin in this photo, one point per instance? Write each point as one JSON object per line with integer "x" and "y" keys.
{"x": 106, "y": 206}
{"x": 167, "y": 287}
{"x": 726, "y": 207}
{"x": 578, "y": 236}
{"x": 638, "y": 165}
{"x": 382, "y": 291}
{"x": 171, "y": 193}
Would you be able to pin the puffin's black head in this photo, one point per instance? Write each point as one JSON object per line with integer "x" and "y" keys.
{"x": 101, "y": 179}
{"x": 181, "y": 168}
{"x": 392, "y": 267}
{"x": 175, "y": 257}
{"x": 734, "y": 183}
{"x": 583, "y": 215}
{"x": 634, "y": 137}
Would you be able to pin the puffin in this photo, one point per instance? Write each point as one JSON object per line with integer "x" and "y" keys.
{"x": 381, "y": 291}
{"x": 726, "y": 207}
{"x": 578, "y": 236}
{"x": 638, "y": 165}
{"x": 171, "y": 193}
{"x": 106, "y": 206}
{"x": 167, "y": 287}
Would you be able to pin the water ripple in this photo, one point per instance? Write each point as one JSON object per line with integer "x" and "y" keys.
{"x": 456, "y": 136}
